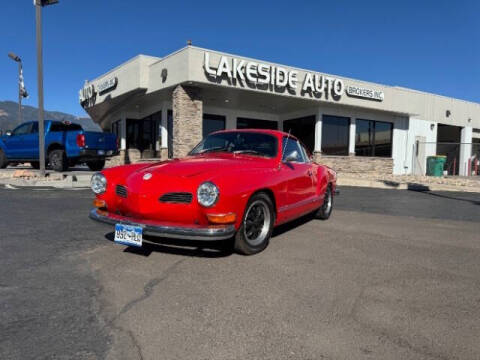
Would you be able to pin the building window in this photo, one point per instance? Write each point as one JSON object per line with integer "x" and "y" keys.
{"x": 373, "y": 138}
{"x": 143, "y": 134}
{"x": 335, "y": 135}
{"x": 212, "y": 123}
{"x": 246, "y": 123}
{"x": 303, "y": 129}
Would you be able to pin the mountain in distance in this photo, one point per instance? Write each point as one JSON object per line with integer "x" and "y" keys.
{"x": 9, "y": 117}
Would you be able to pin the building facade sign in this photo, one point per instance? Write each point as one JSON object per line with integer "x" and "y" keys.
{"x": 274, "y": 78}
{"x": 107, "y": 84}
{"x": 87, "y": 95}
{"x": 365, "y": 93}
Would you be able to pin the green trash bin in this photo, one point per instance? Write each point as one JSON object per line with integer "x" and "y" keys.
{"x": 435, "y": 165}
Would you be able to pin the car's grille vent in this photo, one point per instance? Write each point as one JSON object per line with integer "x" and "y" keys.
{"x": 177, "y": 197}
{"x": 121, "y": 191}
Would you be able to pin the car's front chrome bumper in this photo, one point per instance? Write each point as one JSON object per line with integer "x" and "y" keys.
{"x": 217, "y": 232}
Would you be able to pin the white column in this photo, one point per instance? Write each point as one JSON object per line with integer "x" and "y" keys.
{"x": 351, "y": 138}
{"x": 163, "y": 126}
{"x": 465, "y": 149}
{"x": 123, "y": 132}
{"x": 230, "y": 121}
{"x": 318, "y": 132}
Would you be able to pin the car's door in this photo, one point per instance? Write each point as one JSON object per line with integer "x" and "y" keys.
{"x": 15, "y": 143}
{"x": 30, "y": 142}
{"x": 298, "y": 170}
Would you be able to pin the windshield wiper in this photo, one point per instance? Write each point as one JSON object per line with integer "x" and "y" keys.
{"x": 248, "y": 151}
{"x": 217, "y": 148}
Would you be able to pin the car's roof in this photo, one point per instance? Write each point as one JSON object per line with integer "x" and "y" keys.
{"x": 276, "y": 133}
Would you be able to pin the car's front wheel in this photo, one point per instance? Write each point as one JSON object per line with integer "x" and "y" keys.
{"x": 257, "y": 225}
{"x": 326, "y": 210}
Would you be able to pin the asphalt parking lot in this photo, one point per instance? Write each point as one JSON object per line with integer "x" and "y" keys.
{"x": 392, "y": 275}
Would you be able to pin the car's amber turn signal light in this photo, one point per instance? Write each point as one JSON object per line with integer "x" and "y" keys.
{"x": 222, "y": 218}
{"x": 99, "y": 203}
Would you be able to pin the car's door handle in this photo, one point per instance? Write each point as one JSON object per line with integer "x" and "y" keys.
{"x": 309, "y": 172}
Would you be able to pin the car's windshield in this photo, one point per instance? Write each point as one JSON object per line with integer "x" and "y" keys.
{"x": 239, "y": 143}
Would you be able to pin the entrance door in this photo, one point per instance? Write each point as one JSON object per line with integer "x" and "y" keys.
{"x": 419, "y": 156}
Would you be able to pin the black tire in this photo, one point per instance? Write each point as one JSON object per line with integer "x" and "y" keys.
{"x": 3, "y": 160}
{"x": 326, "y": 209}
{"x": 58, "y": 160}
{"x": 96, "y": 165}
{"x": 35, "y": 165}
{"x": 246, "y": 242}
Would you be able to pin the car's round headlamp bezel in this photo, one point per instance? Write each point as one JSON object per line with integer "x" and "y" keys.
{"x": 98, "y": 183}
{"x": 207, "y": 194}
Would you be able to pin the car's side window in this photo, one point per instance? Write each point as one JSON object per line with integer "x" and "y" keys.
{"x": 292, "y": 150}
{"x": 306, "y": 155}
{"x": 22, "y": 130}
{"x": 34, "y": 129}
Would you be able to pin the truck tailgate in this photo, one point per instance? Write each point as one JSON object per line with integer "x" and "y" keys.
{"x": 100, "y": 141}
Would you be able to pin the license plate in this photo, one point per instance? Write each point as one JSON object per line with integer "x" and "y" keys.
{"x": 128, "y": 235}
{"x": 101, "y": 152}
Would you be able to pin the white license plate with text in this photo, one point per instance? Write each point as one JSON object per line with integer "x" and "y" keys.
{"x": 128, "y": 235}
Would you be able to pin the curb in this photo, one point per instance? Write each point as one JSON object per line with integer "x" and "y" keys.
{"x": 69, "y": 182}
{"x": 392, "y": 185}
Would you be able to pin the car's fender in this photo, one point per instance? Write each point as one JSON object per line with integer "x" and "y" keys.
{"x": 238, "y": 186}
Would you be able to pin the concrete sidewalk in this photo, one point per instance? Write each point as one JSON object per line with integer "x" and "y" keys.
{"x": 25, "y": 176}
{"x": 418, "y": 183}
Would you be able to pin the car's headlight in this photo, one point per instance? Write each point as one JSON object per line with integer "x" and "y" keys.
{"x": 207, "y": 194}
{"x": 98, "y": 183}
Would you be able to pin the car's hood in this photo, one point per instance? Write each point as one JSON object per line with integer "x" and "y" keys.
{"x": 206, "y": 166}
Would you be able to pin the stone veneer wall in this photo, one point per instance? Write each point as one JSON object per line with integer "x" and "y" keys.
{"x": 187, "y": 119}
{"x": 356, "y": 164}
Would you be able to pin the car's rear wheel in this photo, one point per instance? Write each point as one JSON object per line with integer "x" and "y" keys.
{"x": 326, "y": 209}
{"x": 257, "y": 225}
{"x": 3, "y": 160}
{"x": 58, "y": 160}
{"x": 96, "y": 165}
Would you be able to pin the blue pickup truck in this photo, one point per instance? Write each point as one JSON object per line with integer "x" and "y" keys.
{"x": 66, "y": 144}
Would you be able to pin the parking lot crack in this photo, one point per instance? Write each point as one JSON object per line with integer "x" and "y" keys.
{"x": 150, "y": 286}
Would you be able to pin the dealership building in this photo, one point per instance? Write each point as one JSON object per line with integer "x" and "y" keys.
{"x": 162, "y": 107}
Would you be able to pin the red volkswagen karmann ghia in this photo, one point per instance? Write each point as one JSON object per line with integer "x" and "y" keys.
{"x": 236, "y": 184}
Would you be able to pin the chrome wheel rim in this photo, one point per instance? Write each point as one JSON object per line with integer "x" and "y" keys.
{"x": 256, "y": 224}
{"x": 327, "y": 205}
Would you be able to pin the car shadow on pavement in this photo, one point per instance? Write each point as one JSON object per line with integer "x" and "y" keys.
{"x": 206, "y": 249}
{"x": 279, "y": 230}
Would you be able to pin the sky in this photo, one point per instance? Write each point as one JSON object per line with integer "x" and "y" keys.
{"x": 431, "y": 46}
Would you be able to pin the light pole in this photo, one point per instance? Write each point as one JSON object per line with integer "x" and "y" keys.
{"x": 41, "y": 133}
{"x": 21, "y": 90}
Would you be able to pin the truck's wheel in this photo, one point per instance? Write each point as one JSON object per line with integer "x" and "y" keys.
{"x": 327, "y": 206}
{"x": 3, "y": 160}
{"x": 35, "y": 164}
{"x": 257, "y": 225}
{"x": 58, "y": 160}
{"x": 96, "y": 165}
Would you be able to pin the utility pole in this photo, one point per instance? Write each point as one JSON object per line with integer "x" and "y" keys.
{"x": 41, "y": 132}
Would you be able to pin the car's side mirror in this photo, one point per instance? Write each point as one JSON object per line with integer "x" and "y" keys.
{"x": 293, "y": 156}
{"x": 8, "y": 133}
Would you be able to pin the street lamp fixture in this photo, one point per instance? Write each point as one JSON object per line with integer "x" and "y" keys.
{"x": 41, "y": 134}
{"x": 14, "y": 57}
{"x": 21, "y": 88}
